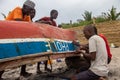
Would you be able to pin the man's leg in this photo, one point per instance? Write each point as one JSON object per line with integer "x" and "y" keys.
{"x": 85, "y": 75}
{"x": 23, "y": 71}
{"x": 46, "y": 68}
{"x": 38, "y": 68}
{"x": 109, "y": 60}
{"x": 1, "y": 72}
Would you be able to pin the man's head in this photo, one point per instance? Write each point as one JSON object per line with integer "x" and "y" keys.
{"x": 88, "y": 31}
{"x": 27, "y": 7}
{"x": 53, "y": 14}
{"x": 32, "y": 14}
{"x": 60, "y": 26}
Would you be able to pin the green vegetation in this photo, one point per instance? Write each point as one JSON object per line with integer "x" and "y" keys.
{"x": 3, "y": 15}
{"x": 112, "y": 14}
{"x": 88, "y": 19}
{"x": 87, "y": 16}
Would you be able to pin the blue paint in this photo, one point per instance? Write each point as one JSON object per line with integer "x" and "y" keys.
{"x": 53, "y": 47}
{"x": 8, "y": 50}
{"x": 63, "y": 46}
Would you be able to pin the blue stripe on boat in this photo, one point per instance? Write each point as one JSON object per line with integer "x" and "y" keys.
{"x": 8, "y": 50}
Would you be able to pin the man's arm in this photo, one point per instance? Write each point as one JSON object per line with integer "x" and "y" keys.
{"x": 90, "y": 56}
{"x": 45, "y": 22}
{"x": 17, "y": 19}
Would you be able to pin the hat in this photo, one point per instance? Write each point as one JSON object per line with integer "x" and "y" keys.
{"x": 29, "y": 3}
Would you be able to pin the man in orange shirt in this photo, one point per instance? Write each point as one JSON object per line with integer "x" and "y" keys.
{"x": 21, "y": 14}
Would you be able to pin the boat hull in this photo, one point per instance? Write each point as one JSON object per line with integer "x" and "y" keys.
{"x": 24, "y": 38}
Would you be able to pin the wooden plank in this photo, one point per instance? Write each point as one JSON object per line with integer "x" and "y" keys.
{"x": 33, "y": 59}
{"x": 63, "y": 55}
{"x": 21, "y": 61}
{"x": 28, "y": 56}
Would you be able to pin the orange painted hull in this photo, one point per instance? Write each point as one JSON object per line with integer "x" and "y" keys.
{"x": 14, "y": 29}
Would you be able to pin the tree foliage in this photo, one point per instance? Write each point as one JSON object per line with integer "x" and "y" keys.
{"x": 3, "y": 15}
{"x": 87, "y": 16}
{"x": 112, "y": 14}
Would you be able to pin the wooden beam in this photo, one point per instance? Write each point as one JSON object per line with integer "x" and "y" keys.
{"x": 21, "y": 60}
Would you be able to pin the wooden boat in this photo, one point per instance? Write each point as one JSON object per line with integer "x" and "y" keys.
{"x": 25, "y": 43}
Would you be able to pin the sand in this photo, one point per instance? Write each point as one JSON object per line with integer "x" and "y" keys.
{"x": 60, "y": 67}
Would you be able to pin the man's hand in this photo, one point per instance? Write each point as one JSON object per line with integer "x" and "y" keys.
{"x": 75, "y": 43}
{"x": 78, "y": 51}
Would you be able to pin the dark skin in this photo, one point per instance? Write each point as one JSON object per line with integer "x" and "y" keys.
{"x": 53, "y": 15}
{"x": 88, "y": 32}
{"x": 32, "y": 13}
{"x": 90, "y": 56}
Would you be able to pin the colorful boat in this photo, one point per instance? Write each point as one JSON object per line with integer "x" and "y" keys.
{"x": 24, "y": 40}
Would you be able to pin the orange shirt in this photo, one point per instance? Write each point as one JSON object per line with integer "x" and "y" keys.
{"x": 17, "y": 14}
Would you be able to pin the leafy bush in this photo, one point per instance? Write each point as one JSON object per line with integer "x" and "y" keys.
{"x": 100, "y": 19}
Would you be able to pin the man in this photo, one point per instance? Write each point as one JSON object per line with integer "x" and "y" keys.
{"x": 106, "y": 42}
{"x": 50, "y": 21}
{"x": 22, "y": 14}
{"x": 97, "y": 55}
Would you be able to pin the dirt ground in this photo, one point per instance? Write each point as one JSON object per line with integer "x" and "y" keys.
{"x": 59, "y": 67}
{"x": 114, "y": 66}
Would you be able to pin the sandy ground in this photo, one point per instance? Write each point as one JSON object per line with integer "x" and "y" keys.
{"x": 114, "y": 66}
{"x": 59, "y": 67}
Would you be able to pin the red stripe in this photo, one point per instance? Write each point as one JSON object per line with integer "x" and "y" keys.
{"x": 14, "y": 29}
